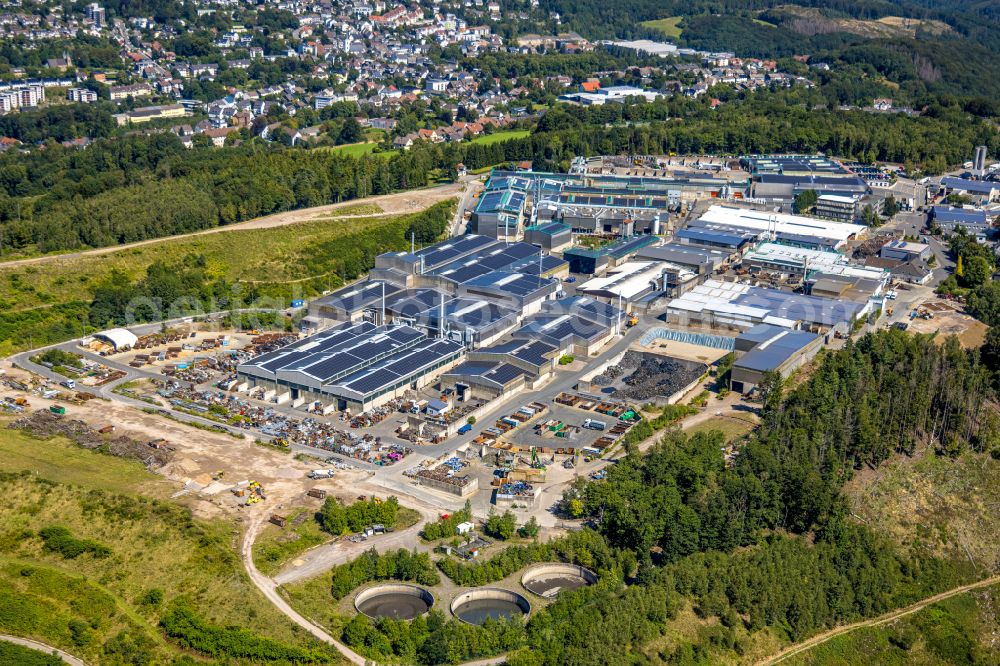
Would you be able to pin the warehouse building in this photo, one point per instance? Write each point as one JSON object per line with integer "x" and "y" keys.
{"x": 550, "y": 236}
{"x": 353, "y": 367}
{"x": 635, "y": 280}
{"x": 902, "y": 250}
{"x": 973, "y": 220}
{"x": 807, "y": 262}
{"x": 739, "y": 305}
{"x": 592, "y": 261}
{"x": 788, "y": 229}
{"x": 723, "y": 238}
{"x": 698, "y": 260}
{"x": 981, "y": 191}
{"x": 785, "y": 187}
{"x": 767, "y": 348}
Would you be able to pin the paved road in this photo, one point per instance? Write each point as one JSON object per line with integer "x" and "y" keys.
{"x": 42, "y": 647}
{"x": 325, "y": 557}
{"x": 268, "y": 589}
{"x": 468, "y": 196}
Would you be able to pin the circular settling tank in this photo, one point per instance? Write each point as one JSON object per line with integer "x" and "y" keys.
{"x": 477, "y": 606}
{"x": 548, "y": 580}
{"x": 400, "y": 602}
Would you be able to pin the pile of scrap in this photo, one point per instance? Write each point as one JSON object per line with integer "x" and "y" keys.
{"x": 43, "y": 424}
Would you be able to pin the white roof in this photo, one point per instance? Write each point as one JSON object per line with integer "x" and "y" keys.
{"x": 837, "y": 198}
{"x": 628, "y": 280}
{"x": 119, "y": 337}
{"x": 790, "y": 224}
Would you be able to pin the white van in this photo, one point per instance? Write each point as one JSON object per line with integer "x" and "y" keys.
{"x": 68, "y": 383}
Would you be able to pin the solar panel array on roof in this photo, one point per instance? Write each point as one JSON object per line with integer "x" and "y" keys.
{"x": 534, "y": 352}
{"x": 411, "y": 302}
{"x": 451, "y": 250}
{"x": 515, "y": 284}
{"x": 527, "y": 350}
{"x": 405, "y": 364}
{"x": 584, "y": 306}
{"x": 356, "y": 297}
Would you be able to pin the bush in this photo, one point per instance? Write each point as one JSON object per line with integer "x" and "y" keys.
{"x": 393, "y": 565}
{"x": 446, "y": 527}
{"x": 60, "y": 540}
{"x": 338, "y": 519}
{"x": 190, "y": 631}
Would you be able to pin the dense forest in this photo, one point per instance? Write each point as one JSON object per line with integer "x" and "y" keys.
{"x": 737, "y": 542}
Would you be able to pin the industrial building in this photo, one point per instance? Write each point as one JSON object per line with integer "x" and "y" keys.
{"x": 724, "y": 238}
{"x": 792, "y": 165}
{"x": 742, "y": 306}
{"x": 807, "y": 262}
{"x": 635, "y": 280}
{"x": 588, "y": 203}
{"x": 352, "y": 367}
{"x": 767, "y": 348}
{"x": 982, "y": 191}
{"x": 427, "y": 311}
{"x": 550, "y": 236}
{"x": 973, "y": 220}
{"x": 785, "y": 187}
{"x": 837, "y": 207}
{"x": 697, "y": 260}
{"x": 576, "y": 325}
{"x": 596, "y": 260}
{"x": 789, "y": 229}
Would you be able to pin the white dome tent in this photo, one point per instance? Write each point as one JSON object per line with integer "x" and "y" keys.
{"x": 119, "y": 338}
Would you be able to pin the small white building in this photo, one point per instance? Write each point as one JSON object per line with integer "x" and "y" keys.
{"x": 465, "y": 528}
{"x": 438, "y": 408}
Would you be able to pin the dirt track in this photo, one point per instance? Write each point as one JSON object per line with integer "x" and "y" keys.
{"x": 410, "y": 201}
{"x": 882, "y": 619}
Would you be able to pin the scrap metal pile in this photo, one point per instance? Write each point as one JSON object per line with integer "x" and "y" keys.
{"x": 44, "y": 424}
{"x": 651, "y": 376}
{"x": 245, "y": 414}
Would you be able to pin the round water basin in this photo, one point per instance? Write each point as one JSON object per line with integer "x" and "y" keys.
{"x": 400, "y": 602}
{"x": 548, "y": 580}
{"x": 477, "y": 606}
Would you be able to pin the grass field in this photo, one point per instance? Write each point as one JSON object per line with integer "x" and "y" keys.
{"x": 490, "y": 139}
{"x": 41, "y": 304}
{"x": 359, "y": 149}
{"x": 106, "y": 608}
{"x": 669, "y": 27}
{"x": 58, "y": 459}
{"x": 731, "y": 428}
{"x": 311, "y": 597}
{"x": 272, "y": 255}
{"x": 960, "y": 630}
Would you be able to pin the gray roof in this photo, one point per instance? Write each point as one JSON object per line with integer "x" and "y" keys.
{"x": 775, "y": 346}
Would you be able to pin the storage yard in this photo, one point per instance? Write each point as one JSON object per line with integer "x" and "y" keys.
{"x": 643, "y": 378}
